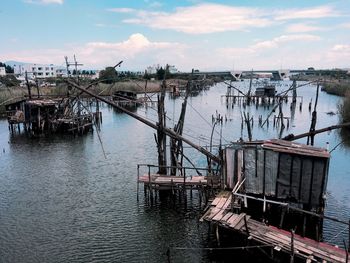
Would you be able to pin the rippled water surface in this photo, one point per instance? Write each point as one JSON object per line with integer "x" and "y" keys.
{"x": 62, "y": 201}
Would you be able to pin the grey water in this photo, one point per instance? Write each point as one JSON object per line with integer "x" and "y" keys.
{"x": 61, "y": 200}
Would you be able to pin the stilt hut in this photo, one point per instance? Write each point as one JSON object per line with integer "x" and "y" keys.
{"x": 275, "y": 173}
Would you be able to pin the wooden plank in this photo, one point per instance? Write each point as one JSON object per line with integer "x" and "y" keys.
{"x": 216, "y": 201}
{"x": 227, "y": 203}
{"x": 221, "y": 202}
{"x": 219, "y": 215}
{"x": 232, "y": 218}
{"x": 213, "y": 213}
{"x": 233, "y": 223}
{"x": 301, "y": 246}
{"x": 226, "y": 217}
{"x": 240, "y": 224}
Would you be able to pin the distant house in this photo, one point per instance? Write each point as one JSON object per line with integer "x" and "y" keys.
{"x": 35, "y": 70}
{"x": 172, "y": 69}
{"x": 2, "y": 71}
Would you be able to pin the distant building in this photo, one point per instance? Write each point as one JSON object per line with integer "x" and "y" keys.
{"x": 172, "y": 69}
{"x": 152, "y": 69}
{"x": 35, "y": 70}
{"x": 2, "y": 71}
{"x": 61, "y": 72}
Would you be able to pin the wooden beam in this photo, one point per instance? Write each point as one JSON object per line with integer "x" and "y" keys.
{"x": 292, "y": 137}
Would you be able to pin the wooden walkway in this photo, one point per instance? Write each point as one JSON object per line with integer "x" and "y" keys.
{"x": 304, "y": 248}
{"x": 158, "y": 181}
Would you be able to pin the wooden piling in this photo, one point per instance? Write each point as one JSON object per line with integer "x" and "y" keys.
{"x": 292, "y": 246}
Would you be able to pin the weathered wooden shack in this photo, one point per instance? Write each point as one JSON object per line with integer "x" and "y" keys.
{"x": 275, "y": 173}
{"x": 265, "y": 91}
{"x": 279, "y": 169}
{"x": 43, "y": 115}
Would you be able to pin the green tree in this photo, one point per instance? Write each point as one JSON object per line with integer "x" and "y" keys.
{"x": 8, "y": 68}
{"x": 108, "y": 75}
{"x": 160, "y": 73}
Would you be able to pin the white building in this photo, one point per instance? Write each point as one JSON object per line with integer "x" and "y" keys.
{"x": 37, "y": 70}
{"x": 2, "y": 71}
{"x": 61, "y": 72}
{"x": 172, "y": 69}
{"x": 152, "y": 69}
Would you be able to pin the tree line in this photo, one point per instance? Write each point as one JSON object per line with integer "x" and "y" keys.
{"x": 8, "y": 68}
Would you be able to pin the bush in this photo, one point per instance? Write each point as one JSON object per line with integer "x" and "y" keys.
{"x": 339, "y": 89}
{"x": 344, "y": 108}
{"x": 9, "y": 81}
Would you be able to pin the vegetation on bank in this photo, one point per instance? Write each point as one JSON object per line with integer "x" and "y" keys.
{"x": 8, "y": 93}
{"x": 336, "y": 88}
{"x": 344, "y": 108}
{"x": 9, "y": 81}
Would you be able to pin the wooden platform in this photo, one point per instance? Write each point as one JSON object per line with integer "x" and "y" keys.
{"x": 158, "y": 180}
{"x": 305, "y": 248}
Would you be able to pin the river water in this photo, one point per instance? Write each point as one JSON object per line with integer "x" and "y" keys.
{"x": 61, "y": 200}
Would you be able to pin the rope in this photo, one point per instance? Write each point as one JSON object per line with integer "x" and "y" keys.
{"x": 345, "y": 228}
{"x": 335, "y": 147}
{"x": 219, "y": 248}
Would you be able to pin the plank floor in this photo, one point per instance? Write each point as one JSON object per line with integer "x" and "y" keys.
{"x": 305, "y": 248}
{"x": 157, "y": 179}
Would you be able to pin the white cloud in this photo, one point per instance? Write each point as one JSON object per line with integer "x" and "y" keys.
{"x": 137, "y": 52}
{"x": 203, "y": 18}
{"x": 307, "y": 13}
{"x": 345, "y": 25}
{"x": 44, "y": 2}
{"x": 121, "y": 10}
{"x": 277, "y": 41}
{"x": 341, "y": 48}
{"x": 303, "y": 28}
{"x": 287, "y": 50}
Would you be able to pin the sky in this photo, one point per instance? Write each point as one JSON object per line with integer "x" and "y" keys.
{"x": 204, "y": 35}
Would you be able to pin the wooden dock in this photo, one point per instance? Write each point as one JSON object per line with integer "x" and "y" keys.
{"x": 304, "y": 248}
{"x": 167, "y": 181}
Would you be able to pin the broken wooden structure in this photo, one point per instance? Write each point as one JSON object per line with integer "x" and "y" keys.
{"x": 278, "y": 243}
{"x": 49, "y": 115}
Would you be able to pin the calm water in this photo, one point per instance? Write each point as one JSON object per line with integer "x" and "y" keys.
{"x": 62, "y": 201}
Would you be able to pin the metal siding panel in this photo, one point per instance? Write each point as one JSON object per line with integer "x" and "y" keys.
{"x": 284, "y": 176}
{"x": 260, "y": 171}
{"x": 250, "y": 171}
{"x": 319, "y": 166}
{"x": 271, "y": 165}
{"x": 230, "y": 164}
{"x": 306, "y": 179}
{"x": 296, "y": 178}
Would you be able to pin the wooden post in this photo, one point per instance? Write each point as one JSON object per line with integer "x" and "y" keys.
{"x": 292, "y": 247}
{"x": 217, "y": 235}
{"x": 138, "y": 179}
{"x": 294, "y": 92}
{"x": 314, "y": 119}
{"x": 304, "y": 225}
{"x": 246, "y": 225}
{"x": 282, "y": 218}
{"x": 346, "y": 252}
{"x": 168, "y": 254}
{"x": 149, "y": 181}
{"x": 349, "y": 238}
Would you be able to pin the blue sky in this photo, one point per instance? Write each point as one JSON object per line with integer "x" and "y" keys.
{"x": 207, "y": 35}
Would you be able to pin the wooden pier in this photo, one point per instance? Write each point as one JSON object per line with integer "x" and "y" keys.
{"x": 154, "y": 181}
{"x": 220, "y": 213}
